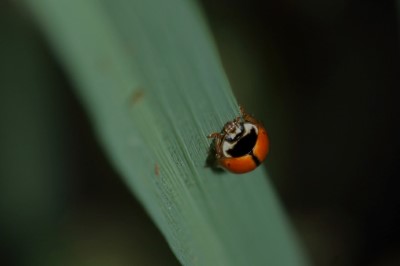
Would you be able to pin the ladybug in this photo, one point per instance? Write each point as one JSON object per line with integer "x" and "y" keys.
{"x": 242, "y": 144}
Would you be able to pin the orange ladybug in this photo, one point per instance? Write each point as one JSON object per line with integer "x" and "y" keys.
{"x": 242, "y": 144}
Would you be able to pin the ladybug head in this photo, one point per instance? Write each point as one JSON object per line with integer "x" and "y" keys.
{"x": 233, "y": 130}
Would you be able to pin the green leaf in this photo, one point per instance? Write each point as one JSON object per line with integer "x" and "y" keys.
{"x": 150, "y": 77}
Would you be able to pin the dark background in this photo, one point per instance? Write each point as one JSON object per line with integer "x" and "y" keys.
{"x": 325, "y": 75}
{"x": 321, "y": 75}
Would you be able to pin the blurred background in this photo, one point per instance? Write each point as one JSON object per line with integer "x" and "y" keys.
{"x": 322, "y": 76}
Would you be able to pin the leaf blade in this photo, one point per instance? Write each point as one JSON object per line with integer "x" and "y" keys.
{"x": 151, "y": 79}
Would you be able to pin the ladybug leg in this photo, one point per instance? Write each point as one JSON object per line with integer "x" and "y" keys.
{"x": 214, "y": 135}
{"x": 218, "y": 148}
{"x": 246, "y": 116}
{"x": 237, "y": 119}
{"x": 218, "y": 140}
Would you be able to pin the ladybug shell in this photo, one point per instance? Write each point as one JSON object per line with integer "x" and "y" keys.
{"x": 248, "y": 162}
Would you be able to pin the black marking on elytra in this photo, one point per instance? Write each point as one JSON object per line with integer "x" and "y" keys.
{"x": 244, "y": 145}
{"x": 255, "y": 158}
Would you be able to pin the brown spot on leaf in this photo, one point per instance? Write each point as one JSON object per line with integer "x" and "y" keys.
{"x": 156, "y": 169}
{"x": 137, "y": 96}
